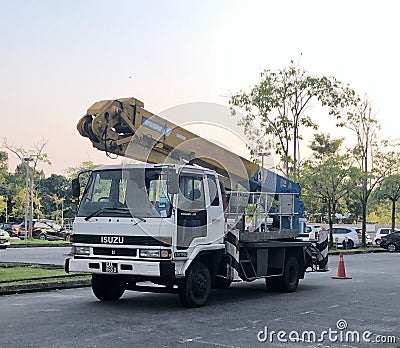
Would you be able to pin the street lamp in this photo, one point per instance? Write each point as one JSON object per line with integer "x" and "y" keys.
{"x": 262, "y": 155}
{"x": 26, "y": 161}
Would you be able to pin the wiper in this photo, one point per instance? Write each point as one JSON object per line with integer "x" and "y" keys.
{"x": 98, "y": 211}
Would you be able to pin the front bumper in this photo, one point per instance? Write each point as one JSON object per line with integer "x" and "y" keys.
{"x": 121, "y": 267}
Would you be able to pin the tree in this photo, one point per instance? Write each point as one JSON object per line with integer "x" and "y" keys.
{"x": 325, "y": 175}
{"x": 390, "y": 189}
{"x": 277, "y": 108}
{"x": 34, "y": 156}
{"x": 376, "y": 159}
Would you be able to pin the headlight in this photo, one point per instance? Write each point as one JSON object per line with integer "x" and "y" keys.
{"x": 155, "y": 253}
{"x": 80, "y": 250}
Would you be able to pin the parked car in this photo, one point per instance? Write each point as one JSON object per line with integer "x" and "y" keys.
{"x": 310, "y": 232}
{"x": 10, "y": 227}
{"x": 4, "y": 239}
{"x": 391, "y": 241}
{"x": 381, "y": 232}
{"x": 45, "y": 229}
{"x": 346, "y": 237}
{"x": 368, "y": 239}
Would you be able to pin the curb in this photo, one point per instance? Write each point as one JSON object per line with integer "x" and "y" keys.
{"x": 39, "y": 245}
{"x": 371, "y": 251}
{"x": 38, "y": 287}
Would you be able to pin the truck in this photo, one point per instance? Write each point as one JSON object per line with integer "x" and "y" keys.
{"x": 189, "y": 217}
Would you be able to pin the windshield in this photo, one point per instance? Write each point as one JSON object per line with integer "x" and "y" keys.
{"x": 126, "y": 193}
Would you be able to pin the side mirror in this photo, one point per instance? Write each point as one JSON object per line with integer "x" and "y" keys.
{"x": 173, "y": 182}
{"x": 76, "y": 188}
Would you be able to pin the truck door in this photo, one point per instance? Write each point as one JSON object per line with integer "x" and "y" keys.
{"x": 192, "y": 214}
{"x": 215, "y": 210}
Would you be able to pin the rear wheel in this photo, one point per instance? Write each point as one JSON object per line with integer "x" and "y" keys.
{"x": 378, "y": 241}
{"x": 107, "y": 287}
{"x": 348, "y": 245}
{"x": 391, "y": 247}
{"x": 289, "y": 281}
{"x": 195, "y": 289}
{"x": 42, "y": 236}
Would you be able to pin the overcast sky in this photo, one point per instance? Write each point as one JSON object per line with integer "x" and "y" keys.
{"x": 58, "y": 57}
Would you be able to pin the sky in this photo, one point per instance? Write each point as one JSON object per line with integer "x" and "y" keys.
{"x": 59, "y": 57}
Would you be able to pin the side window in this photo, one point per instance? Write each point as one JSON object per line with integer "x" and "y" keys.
{"x": 213, "y": 190}
{"x": 191, "y": 192}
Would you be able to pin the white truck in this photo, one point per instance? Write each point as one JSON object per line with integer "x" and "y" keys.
{"x": 181, "y": 228}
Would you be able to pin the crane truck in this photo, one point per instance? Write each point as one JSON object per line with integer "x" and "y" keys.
{"x": 190, "y": 216}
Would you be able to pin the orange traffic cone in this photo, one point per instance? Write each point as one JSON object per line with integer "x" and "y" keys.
{"x": 341, "y": 270}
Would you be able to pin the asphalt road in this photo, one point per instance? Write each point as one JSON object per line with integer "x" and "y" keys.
{"x": 232, "y": 318}
{"x": 41, "y": 255}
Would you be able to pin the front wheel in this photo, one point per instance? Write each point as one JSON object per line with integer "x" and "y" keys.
{"x": 391, "y": 247}
{"x": 107, "y": 287}
{"x": 195, "y": 289}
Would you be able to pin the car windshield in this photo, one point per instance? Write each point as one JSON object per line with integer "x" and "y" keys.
{"x": 137, "y": 192}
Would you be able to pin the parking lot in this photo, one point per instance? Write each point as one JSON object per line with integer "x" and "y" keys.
{"x": 243, "y": 316}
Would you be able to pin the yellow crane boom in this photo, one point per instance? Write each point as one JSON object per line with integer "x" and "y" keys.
{"x": 113, "y": 125}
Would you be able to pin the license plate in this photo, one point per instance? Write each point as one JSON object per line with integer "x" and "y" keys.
{"x": 109, "y": 267}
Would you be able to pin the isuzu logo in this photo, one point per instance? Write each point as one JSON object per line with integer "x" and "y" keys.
{"x": 112, "y": 240}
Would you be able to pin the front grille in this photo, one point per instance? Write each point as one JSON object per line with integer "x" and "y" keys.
{"x": 114, "y": 252}
{"x": 127, "y": 240}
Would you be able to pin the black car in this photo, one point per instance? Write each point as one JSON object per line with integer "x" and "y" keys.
{"x": 391, "y": 242}
{"x": 45, "y": 229}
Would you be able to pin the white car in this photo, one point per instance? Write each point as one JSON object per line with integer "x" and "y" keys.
{"x": 310, "y": 232}
{"x": 382, "y": 232}
{"x": 368, "y": 239}
{"x": 4, "y": 239}
{"x": 346, "y": 237}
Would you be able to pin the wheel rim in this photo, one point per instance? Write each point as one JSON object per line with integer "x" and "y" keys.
{"x": 391, "y": 247}
{"x": 199, "y": 284}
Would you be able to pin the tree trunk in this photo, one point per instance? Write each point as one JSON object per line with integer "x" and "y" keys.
{"x": 364, "y": 223}
{"x": 393, "y": 215}
{"x": 330, "y": 222}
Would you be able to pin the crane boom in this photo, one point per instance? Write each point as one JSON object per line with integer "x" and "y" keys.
{"x": 112, "y": 125}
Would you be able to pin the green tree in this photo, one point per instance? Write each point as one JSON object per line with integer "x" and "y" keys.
{"x": 277, "y": 108}
{"x": 389, "y": 189}
{"x": 325, "y": 175}
{"x": 376, "y": 159}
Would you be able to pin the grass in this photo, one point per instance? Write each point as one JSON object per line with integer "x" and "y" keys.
{"x": 21, "y": 275}
{"x": 15, "y": 273}
{"x": 39, "y": 241}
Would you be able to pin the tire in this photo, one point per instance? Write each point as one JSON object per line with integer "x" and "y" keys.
{"x": 391, "y": 247}
{"x": 289, "y": 281}
{"x": 107, "y": 287}
{"x": 378, "y": 242}
{"x": 221, "y": 283}
{"x": 42, "y": 236}
{"x": 195, "y": 289}
{"x": 348, "y": 245}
